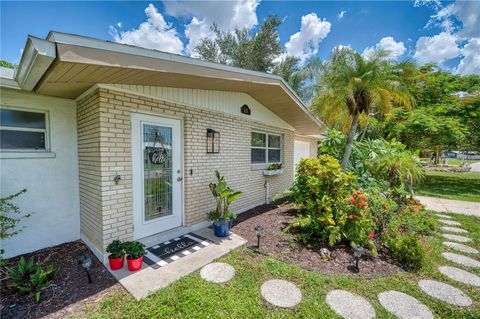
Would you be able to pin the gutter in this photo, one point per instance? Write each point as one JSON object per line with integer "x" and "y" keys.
{"x": 37, "y": 57}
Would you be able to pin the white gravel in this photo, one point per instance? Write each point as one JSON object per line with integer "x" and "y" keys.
{"x": 445, "y": 293}
{"x": 350, "y": 306}
{"x": 281, "y": 293}
{"x": 460, "y": 275}
{"x": 404, "y": 306}
{"x": 217, "y": 272}
{"x": 461, "y": 247}
{"x": 461, "y": 239}
{"x": 462, "y": 260}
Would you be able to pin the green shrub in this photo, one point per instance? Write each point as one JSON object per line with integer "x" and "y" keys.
{"x": 319, "y": 192}
{"x": 407, "y": 250}
{"x": 359, "y": 228}
{"x": 29, "y": 277}
{"x": 134, "y": 249}
{"x": 382, "y": 209}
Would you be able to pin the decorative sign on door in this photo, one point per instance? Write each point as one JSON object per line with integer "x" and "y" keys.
{"x": 157, "y": 154}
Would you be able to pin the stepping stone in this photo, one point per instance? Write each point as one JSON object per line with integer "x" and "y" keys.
{"x": 460, "y": 247}
{"x": 449, "y": 222}
{"x": 349, "y": 306}
{"x": 404, "y": 306}
{"x": 444, "y": 216}
{"x": 462, "y": 260}
{"x": 445, "y": 293}
{"x": 454, "y": 230}
{"x": 281, "y": 293}
{"x": 460, "y": 275}
{"x": 217, "y": 272}
{"x": 461, "y": 239}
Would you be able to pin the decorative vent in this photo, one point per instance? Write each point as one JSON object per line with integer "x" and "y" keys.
{"x": 245, "y": 109}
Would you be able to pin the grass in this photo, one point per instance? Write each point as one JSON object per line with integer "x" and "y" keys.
{"x": 461, "y": 186}
{"x": 192, "y": 297}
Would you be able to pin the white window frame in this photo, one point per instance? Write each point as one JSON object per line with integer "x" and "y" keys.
{"x": 45, "y": 130}
{"x": 266, "y": 148}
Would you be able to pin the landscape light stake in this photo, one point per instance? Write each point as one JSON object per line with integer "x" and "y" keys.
{"x": 86, "y": 261}
{"x": 357, "y": 253}
{"x": 259, "y": 232}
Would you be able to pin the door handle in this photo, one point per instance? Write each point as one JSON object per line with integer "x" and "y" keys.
{"x": 179, "y": 179}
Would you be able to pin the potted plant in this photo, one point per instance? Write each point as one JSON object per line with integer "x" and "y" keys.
{"x": 117, "y": 254}
{"x": 135, "y": 252}
{"x": 273, "y": 169}
{"x": 222, "y": 218}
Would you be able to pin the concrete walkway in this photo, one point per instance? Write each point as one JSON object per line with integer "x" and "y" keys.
{"x": 451, "y": 206}
{"x": 475, "y": 167}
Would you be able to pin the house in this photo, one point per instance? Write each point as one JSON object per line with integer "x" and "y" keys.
{"x": 113, "y": 141}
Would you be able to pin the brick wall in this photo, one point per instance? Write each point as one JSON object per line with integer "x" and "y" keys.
{"x": 105, "y": 150}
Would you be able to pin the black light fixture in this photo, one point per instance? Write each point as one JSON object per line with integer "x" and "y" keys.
{"x": 86, "y": 261}
{"x": 213, "y": 141}
{"x": 357, "y": 253}
{"x": 258, "y": 232}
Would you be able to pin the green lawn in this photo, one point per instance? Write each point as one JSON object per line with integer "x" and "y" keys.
{"x": 461, "y": 186}
{"x": 192, "y": 297}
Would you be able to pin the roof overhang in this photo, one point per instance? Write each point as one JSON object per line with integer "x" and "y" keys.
{"x": 81, "y": 62}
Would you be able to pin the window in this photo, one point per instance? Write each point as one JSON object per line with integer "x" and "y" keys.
{"x": 23, "y": 130}
{"x": 266, "y": 148}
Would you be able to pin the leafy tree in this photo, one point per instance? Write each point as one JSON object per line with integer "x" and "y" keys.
{"x": 6, "y": 64}
{"x": 243, "y": 48}
{"x": 352, "y": 86}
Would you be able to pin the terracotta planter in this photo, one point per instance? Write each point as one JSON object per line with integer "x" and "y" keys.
{"x": 116, "y": 263}
{"x": 134, "y": 264}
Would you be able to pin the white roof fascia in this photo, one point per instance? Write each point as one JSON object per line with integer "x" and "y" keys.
{"x": 65, "y": 38}
{"x": 9, "y": 83}
{"x": 37, "y": 57}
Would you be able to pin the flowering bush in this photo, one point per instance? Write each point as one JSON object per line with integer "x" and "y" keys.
{"x": 414, "y": 205}
{"x": 359, "y": 228}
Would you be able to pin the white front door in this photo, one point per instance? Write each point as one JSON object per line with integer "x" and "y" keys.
{"x": 156, "y": 174}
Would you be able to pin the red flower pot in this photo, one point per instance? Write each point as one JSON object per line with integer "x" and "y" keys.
{"x": 116, "y": 263}
{"x": 134, "y": 264}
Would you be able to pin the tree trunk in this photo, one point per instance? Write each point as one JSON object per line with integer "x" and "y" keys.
{"x": 364, "y": 131}
{"x": 348, "y": 145}
{"x": 437, "y": 155}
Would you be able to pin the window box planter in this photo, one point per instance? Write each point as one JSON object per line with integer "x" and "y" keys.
{"x": 270, "y": 172}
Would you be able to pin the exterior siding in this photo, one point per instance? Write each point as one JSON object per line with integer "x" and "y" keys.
{"x": 105, "y": 148}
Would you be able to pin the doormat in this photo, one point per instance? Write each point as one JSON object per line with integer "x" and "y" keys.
{"x": 162, "y": 254}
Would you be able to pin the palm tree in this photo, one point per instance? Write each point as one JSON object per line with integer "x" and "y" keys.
{"x": 352, "y": 88}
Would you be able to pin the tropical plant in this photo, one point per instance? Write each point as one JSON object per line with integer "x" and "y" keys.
{"x": 359, "y": 228}
{"x": 29, "y": 277}
{"x": 10, "y": 217}
{"x": 352, "y": 86}
{"x": 224, "y": 196}
{"x": 319, "y": 191}
{"x": 116, "y": 249}
{"x": 134, "y": 249}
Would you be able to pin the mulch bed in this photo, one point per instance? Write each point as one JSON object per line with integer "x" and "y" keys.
{"x": 284, "y": 246}
{"x": 70, "y": 294}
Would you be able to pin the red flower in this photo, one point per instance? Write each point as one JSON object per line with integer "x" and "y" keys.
{"x": 371, "y": 235}
{"x": 360, "y": 204}
{"x": 365, "y": 204}
{"x": 363, "y": 197}
{"x": 352, "y": 216}
{"x": 416, "y": 209}
{"x": 352, "y": 200}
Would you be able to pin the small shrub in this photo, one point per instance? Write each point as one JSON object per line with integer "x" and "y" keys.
{"x": 319, "y": 192}
{"x": 29, "y": 277}
{"x": 382, "y": 209}
{"x": 407, "y": 250}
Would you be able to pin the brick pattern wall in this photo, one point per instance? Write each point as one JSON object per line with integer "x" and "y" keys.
{"x": 112, "y": 155}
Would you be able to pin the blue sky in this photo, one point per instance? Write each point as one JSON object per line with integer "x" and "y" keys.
{"x": 444, "y": 32}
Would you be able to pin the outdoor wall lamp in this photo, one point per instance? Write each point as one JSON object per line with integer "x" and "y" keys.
{"x": 258, "y": 232}
{"x": 357, "y": 253}
{"x": 86, "y": 261}
{"x": 213, "y": 141}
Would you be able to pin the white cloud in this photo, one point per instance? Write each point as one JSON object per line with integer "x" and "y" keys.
{"x": 155, "y": 33}
{"x": 395, "y": 49}
{"x": 202, "y": 14}
{"x": 341, "y": 14}
{"x": 471, "y": 58}
{"x": 305, "y": 42}
{"x": 465, "y": 13}
{"x": 120, "y": 24}
{"x": 438, "y": 48}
